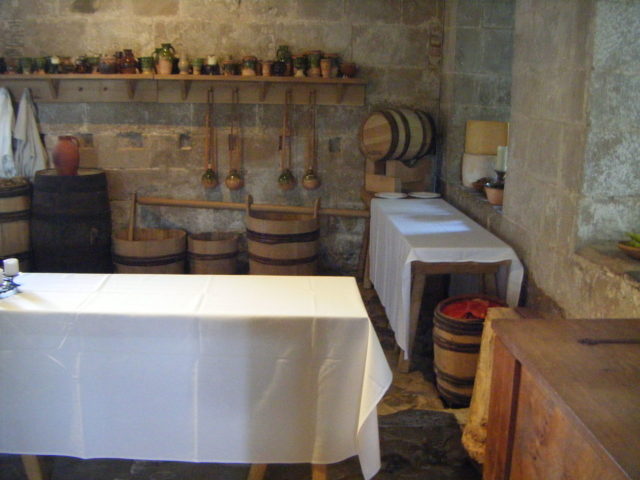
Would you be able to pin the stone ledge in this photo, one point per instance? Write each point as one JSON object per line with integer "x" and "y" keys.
{"x": 608, "y": 256}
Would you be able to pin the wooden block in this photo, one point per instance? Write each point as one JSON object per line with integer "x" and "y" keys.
{"x": 417, "y": 173}
{"x": 375, "y": 167}
{"x": 484, "y": 137}
{"x": 381, "y": 183}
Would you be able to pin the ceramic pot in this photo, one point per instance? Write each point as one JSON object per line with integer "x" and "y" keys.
{"x": 184, "y": 65}
{"x": 165, "y": 57}
{"x": 249, "y": 66}
{"x": 128, "y": 63}
{"x": 66, "y": 155}
{"x": 267, "y": 65}
{"x": 348, "y": 69}
{"x": 325, "y": 67}
{"x": 107, "y": 64}
{"x": 494, "y": 195}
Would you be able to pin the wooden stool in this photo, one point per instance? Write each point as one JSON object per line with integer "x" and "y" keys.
{"x": 419, "y": 272}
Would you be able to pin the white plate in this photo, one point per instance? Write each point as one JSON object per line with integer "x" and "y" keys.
{"x": 424, "y": 194}
{"x": 391, "y": 195}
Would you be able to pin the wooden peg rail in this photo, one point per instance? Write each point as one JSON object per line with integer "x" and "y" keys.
{"x": 184, "y": 88}
{"x": 173, "y": 202}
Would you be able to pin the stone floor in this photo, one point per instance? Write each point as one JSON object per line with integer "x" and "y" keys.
{"x": 420, "y": 438}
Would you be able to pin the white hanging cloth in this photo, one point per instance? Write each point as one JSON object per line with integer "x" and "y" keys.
{"x": 7, "y": 165}
{"x": 30, "y": 154}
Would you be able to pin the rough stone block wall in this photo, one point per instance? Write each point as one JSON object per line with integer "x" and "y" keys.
{"x": 554, "y": 153}
{"x": 157, "y": 149}
{"x": 476, "y": 72}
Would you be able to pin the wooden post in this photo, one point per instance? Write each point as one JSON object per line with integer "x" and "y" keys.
{"x": 32, "y": 467}
{"x": 257, "y": 471}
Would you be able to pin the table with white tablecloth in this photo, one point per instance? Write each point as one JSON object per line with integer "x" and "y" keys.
{"x": 244, "y": 369}
{"x": 416, "y": 230}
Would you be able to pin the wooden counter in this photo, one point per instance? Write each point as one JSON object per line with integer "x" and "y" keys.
{"x": 565, "y": 400}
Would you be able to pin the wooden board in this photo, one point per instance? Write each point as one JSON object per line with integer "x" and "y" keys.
{"x": 484, "y": 137}
{"x": 574, "y": 412}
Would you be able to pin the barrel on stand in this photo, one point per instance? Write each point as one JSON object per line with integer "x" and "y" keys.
{"x": 397, "y": 134}
{"x": 15, "y": 210}
{"x": 71, "y": 222}
{"x": 213, "y": 253}
{"x": 456, "y": 343}
{"x": 282, "y": 243}
{"x": 152, "y": 250}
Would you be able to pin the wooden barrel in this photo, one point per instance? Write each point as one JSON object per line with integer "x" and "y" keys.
{"x": 152, "y": 250}
{"x": 282, "y": 243}
{"x": 397, "y": 134}
{"x": 15, "y": 210}
{"x": 213, "y": 253}
{"x": 456, "y": 343}
{"x": 71, "y": 222}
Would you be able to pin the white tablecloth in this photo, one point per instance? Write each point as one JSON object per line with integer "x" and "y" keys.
{"x": 404, "y": 231}
{"x": 199, "y": 368}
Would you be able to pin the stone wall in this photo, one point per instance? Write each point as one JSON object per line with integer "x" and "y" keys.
{"x": 157, "y": 149}
{"x": 476, "y": 71}
{"x": 554, "y": 154}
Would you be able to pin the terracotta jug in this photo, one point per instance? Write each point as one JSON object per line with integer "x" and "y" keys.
{"x": 66, "y": 155}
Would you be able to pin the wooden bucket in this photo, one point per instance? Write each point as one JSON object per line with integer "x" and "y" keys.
{"x": 153, "y": 250}
{"x": 397, "y": 134}
{"x": 456, "y": 346}
{"x": 71, "y": 222}
{"x": 282, "y": 243}
{"x": 213, "y": 253}
{"x": 15, "y": 209}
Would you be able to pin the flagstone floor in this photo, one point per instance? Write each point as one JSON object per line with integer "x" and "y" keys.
{"x": 420, "y": 438}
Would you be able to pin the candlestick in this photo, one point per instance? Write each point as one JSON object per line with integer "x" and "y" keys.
{"x": 11, "y": 267}
{"x": 501, "y": 159}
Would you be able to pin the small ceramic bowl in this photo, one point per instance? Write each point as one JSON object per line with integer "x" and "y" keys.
{"x": 633, "y": 252}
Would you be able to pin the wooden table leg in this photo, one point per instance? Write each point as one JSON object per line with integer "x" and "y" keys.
{"x": 32, "y": 467}
{"x": 257, "y": 471}
{"x": 318, "y": 472}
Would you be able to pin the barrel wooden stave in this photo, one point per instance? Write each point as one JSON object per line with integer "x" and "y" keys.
{"x": 456, "y": 350}
{"x": 153, "y": 250}
{"x": 213, "y": 253}
{"x": 71, "y": 222}
{"x": 397, "y": 134}
{"x": 281, "y": 243}
{"x": 15, "y": 206}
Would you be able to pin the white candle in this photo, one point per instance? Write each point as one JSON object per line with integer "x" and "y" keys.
{"x": 11, "y": 267}
{"x": 501, "y": 159}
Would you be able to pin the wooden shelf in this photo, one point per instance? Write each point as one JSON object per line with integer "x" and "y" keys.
{"x": 184, "y": 88}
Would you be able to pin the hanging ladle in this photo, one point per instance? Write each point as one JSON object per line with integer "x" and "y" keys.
{"x": 210, "y": 177}
{"x": 310, "y": 181}
{"x": 286, "y": 180}
{"x": 234, "y": 180}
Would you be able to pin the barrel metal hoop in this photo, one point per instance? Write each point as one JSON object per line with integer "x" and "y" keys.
{"x": 432, "y": 144}
{"x": 7, "y": 217}
{"x": 273, "y": 238}
{"x": 454, "y": 398}
{"x": 21, "y": 191}
{"x": 216, "y": 256}
{"x": 57, "y": 217}
{"x": 455, "y": 346}
{"x": 148, "y": 261}
{"x": 461, "y": 382}
{"x": 407, "y": 135}
{"x": 395, "y": 134}
{"x": 472, "y": 328}
{"x": 284, "y": 262}
{"x": 422, "y": 151}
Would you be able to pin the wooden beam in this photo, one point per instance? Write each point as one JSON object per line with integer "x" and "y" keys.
{"x": 173, "y": 202}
